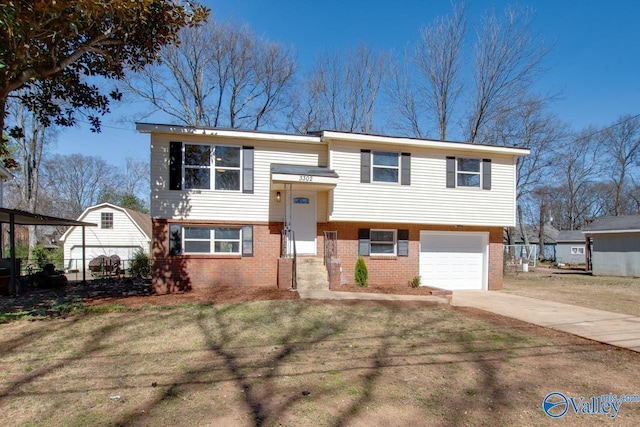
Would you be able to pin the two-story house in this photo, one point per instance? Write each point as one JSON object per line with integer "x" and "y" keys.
{"x": 232, "y": 206}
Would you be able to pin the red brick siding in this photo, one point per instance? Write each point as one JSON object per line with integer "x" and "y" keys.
{"x": 178, "y": 273}
{"x": 399, "y": 269}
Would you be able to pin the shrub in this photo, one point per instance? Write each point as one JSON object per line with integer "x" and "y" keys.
{"x": 140, "y": 265}
{"x": 361, "y": 273}
{"x": 415, "y": 282}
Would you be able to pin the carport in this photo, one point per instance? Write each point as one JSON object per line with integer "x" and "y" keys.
{"x": 15, "y": 217}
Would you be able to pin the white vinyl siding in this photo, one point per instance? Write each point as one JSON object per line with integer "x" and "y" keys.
{"x": 426, "y": 200}
{"x": 214, "y": 205}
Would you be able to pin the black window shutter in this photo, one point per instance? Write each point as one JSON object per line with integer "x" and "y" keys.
{"x": 364, "y": 241}
{"x": 365, "y": 165}
{"x": 175, "y": 165}
{"x": 486, "y": 174}
{"x": 247, "y": 240}
{"x": 247, "y": 170}
{"x": 405, "y": 166}
{"x": 175, "y": 239}
{"x": 403, "y": 242}
{"x": 451, "y": 172}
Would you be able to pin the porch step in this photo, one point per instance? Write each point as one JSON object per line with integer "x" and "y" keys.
{"x": 312, "y": 273}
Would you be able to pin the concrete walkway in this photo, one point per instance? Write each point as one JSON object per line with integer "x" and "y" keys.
{"x": 621, "y": 330}
{"x": 325, "y": 294}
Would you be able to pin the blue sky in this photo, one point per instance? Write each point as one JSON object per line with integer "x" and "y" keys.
{"x": 595, "y": 61}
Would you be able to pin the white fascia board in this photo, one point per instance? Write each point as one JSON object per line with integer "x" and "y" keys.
{"x": 226, "y": 133}
{"x": 410, "y": 142}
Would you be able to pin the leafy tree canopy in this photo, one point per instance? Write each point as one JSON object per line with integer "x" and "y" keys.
{"x": 50, "y": 48}
{"x": 124, "y": 200}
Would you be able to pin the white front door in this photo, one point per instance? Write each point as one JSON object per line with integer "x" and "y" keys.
{"x": 303, "y": 221}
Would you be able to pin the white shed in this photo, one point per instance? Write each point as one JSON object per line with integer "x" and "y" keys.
{"x": 120, "y": 232}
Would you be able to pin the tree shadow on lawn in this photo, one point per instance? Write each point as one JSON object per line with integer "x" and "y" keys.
{"x": 227, "y": 358}
{"x": 266, "y": 400}
{"x": 39, "y": 304}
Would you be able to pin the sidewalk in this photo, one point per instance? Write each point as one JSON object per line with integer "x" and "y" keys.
{"x": 621, "y": 330}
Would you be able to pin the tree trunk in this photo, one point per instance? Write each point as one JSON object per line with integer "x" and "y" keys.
{"x": 541, "y": 231}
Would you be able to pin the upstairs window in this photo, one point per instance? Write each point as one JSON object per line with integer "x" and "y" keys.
{"x": 386, "y": 166}
{"x": 468, "y": 172}
{"x": 197, "y": 166}
{"x": 227, "y": 165}
{"x": 464, "y": 172}
{"x": 106, "y": 220}
{"x": 200, "y": 160}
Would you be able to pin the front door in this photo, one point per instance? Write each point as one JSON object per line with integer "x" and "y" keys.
{"x": 303, "y": 221}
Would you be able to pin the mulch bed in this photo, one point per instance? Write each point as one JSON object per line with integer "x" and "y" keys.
{"x": 394, "y": 289}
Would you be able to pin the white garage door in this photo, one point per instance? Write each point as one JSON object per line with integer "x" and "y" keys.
{"x": 454, "y": 260}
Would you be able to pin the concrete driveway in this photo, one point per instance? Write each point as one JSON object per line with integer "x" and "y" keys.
{"x": 620, "y": 330}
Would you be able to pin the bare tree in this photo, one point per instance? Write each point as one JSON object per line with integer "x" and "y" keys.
{"x": 343, "y": 92}
{"x": 77, "y": 181}
{"x": 28, "y": 137}
{"x": 405, "y": 108}
{"x": 438, "y": 56}
{"x": 529, "y": 124}
{"x": 218, "y": 74}
{"x": 508, "y": 60}
{"x": 621, "y": 147}
{"x": 577, "y": 174}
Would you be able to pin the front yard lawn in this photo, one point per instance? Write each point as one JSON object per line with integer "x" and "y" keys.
{"x": 299, "y": 363}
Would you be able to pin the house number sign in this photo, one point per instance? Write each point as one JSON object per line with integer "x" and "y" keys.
{"x": 305, "y": 178}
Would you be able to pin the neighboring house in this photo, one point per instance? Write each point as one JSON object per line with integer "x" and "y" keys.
{"x": 615, "y": 247}
{"x": 571, "y": 247}
{"x": 120, "y": 232}
{"x": 533, "y": 236}
{"x": 223, "y": 202}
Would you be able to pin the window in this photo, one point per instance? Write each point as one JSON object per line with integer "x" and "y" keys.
{"x": 210, "y": 240}
{"x": 217, "y": 240}
{"x": 199, "y": 159}
{"x": 197, "y": 166}
{"x": 106, "y": 220}
{"x": 468, "y": 173}
{"x": 577, "y": 250}
{"x": 386, "y": 167}
{"x": 383, "y": 242}
{"x": 382, "y": 166}
{"x": 226, "y": 240}
{"x": 227, "y": 164}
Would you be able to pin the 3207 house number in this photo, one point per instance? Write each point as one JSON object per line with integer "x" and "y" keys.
{"x": 306, "y": 178}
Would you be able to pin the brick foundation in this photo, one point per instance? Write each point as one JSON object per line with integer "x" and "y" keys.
{"x": 264, "y": 268}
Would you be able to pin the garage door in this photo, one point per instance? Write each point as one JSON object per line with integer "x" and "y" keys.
{"x": 454, "y": 260}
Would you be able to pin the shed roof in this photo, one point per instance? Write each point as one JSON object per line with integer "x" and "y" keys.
{"x": 615, "y": 224}
{"x": 570, "y": 236}
{"x": 550, "y": 234}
